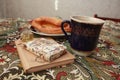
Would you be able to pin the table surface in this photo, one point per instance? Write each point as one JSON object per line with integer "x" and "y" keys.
{"x": 103, "y": 64}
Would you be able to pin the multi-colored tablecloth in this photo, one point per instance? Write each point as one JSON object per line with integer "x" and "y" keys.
{"x": 103, "y": 64}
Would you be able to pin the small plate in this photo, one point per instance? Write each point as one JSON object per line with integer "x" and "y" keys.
{"x": 82, "y": 53}
{"x": 45, "y": 34}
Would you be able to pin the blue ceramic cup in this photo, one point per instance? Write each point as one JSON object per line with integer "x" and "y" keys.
{"x": 84, "y": 32}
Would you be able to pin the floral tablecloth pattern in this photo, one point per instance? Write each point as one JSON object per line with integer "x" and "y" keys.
{"x": 103, "y": 64}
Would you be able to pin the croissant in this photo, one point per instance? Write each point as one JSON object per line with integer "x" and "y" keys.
{"x": 49, "y": 25}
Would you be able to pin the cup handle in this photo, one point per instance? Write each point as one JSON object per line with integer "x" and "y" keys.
{"x": 62, "y": 27}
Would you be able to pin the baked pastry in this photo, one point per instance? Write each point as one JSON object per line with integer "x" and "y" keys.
{"x": 47, "y": 49}
{"x": 49, "y": 25}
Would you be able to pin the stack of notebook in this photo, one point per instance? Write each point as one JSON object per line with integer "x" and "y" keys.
{"x": 29, "y": 63}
